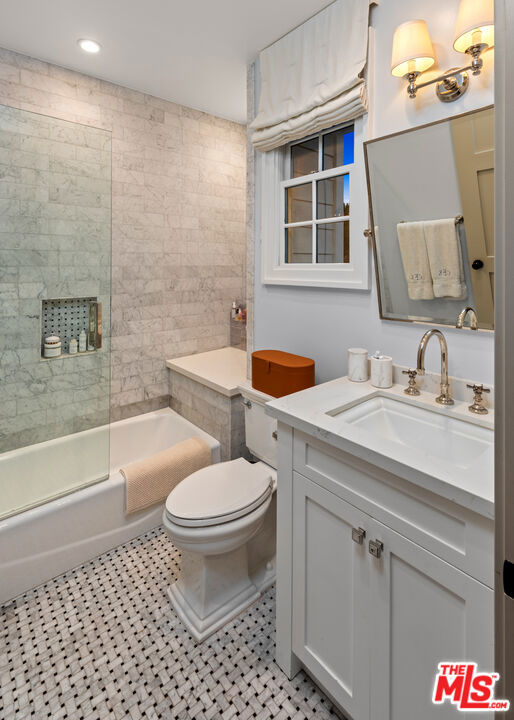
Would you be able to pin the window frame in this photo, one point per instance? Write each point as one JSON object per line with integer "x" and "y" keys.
{"x": 274, "y": 182}
{"x": 312, "y": 179}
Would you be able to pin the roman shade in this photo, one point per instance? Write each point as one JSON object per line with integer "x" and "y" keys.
{"x": 313, "y": 77}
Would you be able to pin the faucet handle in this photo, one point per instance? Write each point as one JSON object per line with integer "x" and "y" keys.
{"x": 412, "y": 389}
{"x": 477, "y": 406}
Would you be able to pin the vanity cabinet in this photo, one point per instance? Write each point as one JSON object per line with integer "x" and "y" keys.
{"x": 330, "y": 591}
{"x": 372, "y": 628}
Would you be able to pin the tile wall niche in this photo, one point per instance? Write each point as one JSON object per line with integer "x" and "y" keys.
{"x": 178, "y": 220}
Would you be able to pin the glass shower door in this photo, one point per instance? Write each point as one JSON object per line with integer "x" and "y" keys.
{"x": 55, "y": 287}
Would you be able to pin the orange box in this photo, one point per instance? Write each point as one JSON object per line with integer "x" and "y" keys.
{"x": 280, "y": 373}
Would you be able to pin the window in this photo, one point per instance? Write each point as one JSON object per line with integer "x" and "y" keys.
{"x": 314, "y": 211}
{"x": 317, "y": 199}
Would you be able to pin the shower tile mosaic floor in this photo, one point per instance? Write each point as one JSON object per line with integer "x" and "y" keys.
{"x": 102, "y": 641}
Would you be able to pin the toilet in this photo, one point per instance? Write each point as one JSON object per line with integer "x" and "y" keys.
{"x": 223, "y": 520}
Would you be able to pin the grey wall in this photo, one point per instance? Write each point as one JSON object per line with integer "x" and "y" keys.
{"x": 178, "y": 219}
{"x": 323, "y": 323}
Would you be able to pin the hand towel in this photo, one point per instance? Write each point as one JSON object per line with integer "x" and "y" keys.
{"x": 151, "y": 480}
{"x": 445, "y": 258}
{"x": 411, "y": 238}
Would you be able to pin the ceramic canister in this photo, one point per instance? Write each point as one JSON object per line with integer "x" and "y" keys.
{"x": 357, "y": 364}
{"x": 381, "y": 371}
{"x": 52, "y": 346}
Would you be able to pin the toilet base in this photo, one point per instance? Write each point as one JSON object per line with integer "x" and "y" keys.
{"x": 211, "y": 590}
{"x": 202, "y": 628}
{"x": 224, "y": 569}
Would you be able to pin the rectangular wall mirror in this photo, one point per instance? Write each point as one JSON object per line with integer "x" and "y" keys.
{"x": 431, "y": 196}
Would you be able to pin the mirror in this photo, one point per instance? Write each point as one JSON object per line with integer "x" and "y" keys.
{"x": 431, "y": 196}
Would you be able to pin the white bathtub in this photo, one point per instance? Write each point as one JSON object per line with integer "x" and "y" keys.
{"x": 40, "y": 543}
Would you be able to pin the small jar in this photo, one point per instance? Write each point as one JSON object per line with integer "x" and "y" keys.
{"x": 357, "y": 364}
{"x": 73, "y": 346}
{"x": 381, "y": 370}
{"x": 52, "y": 347}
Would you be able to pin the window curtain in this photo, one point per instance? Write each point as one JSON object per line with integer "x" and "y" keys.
{"x": 313, "y": 77}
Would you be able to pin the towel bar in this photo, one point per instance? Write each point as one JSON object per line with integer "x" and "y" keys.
{"x": 458, "y": 219}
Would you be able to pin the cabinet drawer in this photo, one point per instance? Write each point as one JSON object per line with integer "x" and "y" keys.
{"x": 453, "y": 533}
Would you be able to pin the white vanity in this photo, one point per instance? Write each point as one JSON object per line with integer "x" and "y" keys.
{"x": 385, "y": 543}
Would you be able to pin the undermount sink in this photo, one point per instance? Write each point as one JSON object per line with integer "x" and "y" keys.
{"x": 456, "y": 441}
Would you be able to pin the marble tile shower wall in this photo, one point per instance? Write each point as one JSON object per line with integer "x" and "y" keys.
{"x": 55, "y": 241}
{"x": 178, "y": 219}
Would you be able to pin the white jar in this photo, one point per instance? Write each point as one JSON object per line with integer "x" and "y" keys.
{"x": 73, "y": 346}
{"x": 381, "y": 370}
{"x": 82, "y": 341}
{"x": 52, "y": 346}
{"x": 357, "y": 364}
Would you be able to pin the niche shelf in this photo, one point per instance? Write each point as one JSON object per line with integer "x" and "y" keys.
{"x": 65, "y": 317}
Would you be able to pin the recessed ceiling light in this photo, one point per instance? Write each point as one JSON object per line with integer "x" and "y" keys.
{"x": 89, "y": 46}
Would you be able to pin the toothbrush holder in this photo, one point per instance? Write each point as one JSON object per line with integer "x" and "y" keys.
{"x": 357, "y": 364}
{"x": 382, "y": 371}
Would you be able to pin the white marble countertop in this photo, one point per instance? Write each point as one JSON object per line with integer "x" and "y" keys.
{"x": 221, "y": 370}
{"x": 471, "y": 487}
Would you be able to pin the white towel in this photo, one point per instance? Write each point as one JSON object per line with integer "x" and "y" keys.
{"x": 445, "y": 258}
{"x": 416, "y": 267}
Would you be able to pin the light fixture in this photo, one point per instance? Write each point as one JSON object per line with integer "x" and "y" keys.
{"x": 474, "y": 32}
{"x": 412, "y": 49}
{"x": 89, "y": 46}
{"x": 413, "y": 52}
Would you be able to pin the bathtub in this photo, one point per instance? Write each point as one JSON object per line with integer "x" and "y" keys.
{"x": 44, "y": 541}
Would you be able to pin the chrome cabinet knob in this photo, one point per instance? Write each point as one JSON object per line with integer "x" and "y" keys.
{"x": 358, "y": 535}
{"x": 375, "y": 548}
{"x": 246, "y": 403}
{"x": 274, "y": 435}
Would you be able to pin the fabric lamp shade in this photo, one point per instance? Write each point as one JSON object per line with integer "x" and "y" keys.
{"x": 412, "y": 49}
{"x": 475, "y": 24}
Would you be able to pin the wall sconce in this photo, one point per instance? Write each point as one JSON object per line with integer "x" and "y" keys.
{"x": 413, "y": 52}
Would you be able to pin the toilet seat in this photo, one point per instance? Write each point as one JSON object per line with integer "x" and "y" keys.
{"x": 219, "y": 493}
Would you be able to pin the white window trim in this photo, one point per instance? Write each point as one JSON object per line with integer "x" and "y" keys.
{"x": 354, "y": 275}
{"x": 311, "y": 179}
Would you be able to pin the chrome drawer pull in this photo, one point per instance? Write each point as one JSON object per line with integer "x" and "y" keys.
{"x": 375, "y": 548}
{"x": 358, "y": 535}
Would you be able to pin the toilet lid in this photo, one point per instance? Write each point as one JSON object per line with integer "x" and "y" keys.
{"x": 219, "y": 493}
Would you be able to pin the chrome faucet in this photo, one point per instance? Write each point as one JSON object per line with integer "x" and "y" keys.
{"x": 444, "y": 398}
{"x": 473, "y": 318}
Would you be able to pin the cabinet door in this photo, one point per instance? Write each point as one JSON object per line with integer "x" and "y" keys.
{"x": 330, "y": 577}
{"x": 424, "y": 612}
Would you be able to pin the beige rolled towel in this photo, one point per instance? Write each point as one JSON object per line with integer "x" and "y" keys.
{"x": 413, "y": 249}
{"x": 151, "y": 480}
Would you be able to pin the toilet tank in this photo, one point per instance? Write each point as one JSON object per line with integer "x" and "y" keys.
{"x": 260, "y": 429}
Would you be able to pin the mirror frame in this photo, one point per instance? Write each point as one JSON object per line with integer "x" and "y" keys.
{"x": 370, "y": 232}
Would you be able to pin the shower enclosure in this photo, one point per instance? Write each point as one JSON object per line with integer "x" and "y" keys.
{"x": 55, "y": 280}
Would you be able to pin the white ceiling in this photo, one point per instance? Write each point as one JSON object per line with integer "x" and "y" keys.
{"x": 192, "y": 52}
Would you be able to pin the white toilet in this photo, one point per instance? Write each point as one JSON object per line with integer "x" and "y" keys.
{"x": 223, "y": 519}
